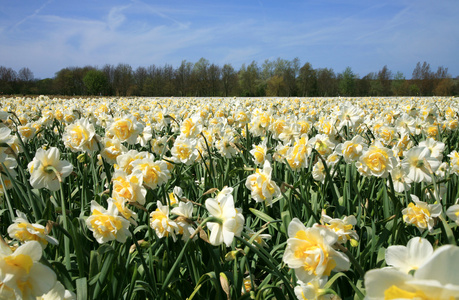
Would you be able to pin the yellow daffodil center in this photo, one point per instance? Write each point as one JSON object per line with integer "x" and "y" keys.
{"x": 395, "y": 292}
{"x": 376, "y": 160}
{"x": 418, "y": 214}
{"x": 314, "y": 254}
{"x": 21, "y": 261}
{"x": 105, "y": 224}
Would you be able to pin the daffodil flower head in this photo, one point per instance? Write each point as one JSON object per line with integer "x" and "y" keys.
{"x": 231, "y": 220}
{"x": 58, "y": 292}
{"x": 262, "y": 188}
{"x": 106, "y": 224}
{"x": 310, "y": 253}
{"x": 399, "y": 179}
{"x": 80, "y": 136}
{"x": 24, "y": 231}
{"x": 421, "y": 214}
{"x": 435, "y": 278}
{"x": 184, "y": 220}
{"x": 260, "y": 153}
{"x": 419, "y": 165}
{"x": 410, "y": 257}
{"x": 152, "y": 173}
{"x": 344, "y": 227}
{"x": 47, "y": 170}
{"x": 297, "y": 155}
{"x": 185, "y": 151}
{"x": 377, "y": 161}
{"x": 313, "y": 289}
{"x": 191, "y": 127}
{"x": 21, "y": 274}
{"x": 353, "y": 149}
{"x": 111, "y": 149}
{"x": 126, "y": 129}
{"x": 160, "y": 221}
{"x": 453, "y": 213}
{"x": 128, "y": 187}
{"x": 5, "y": 137}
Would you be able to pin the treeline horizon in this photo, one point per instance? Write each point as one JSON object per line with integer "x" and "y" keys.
{"x": 280, "y": 78}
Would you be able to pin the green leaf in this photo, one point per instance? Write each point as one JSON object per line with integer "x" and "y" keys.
{"x": 261, "y": 215}
{"x": 81, "y": 288}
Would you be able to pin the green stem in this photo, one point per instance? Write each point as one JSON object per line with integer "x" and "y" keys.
{"x": 66, "y": 239}
{"x": 8, "y": 201}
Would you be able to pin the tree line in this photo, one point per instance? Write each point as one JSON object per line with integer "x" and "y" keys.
{"x": 278, "y": 77}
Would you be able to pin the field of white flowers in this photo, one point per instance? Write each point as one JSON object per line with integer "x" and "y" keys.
{"x": 229, "y": 198}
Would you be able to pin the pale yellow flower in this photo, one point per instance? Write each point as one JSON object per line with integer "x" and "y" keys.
{"x": 80, "y": 136}
{"x": 231, "y": 220}
{"x": 184, "y": 221}
{"x": 310, "y": 253}
{"x": 312, "y": 290}
{"x": 106, "y": 225}
{"x": 262, "y": 188}
{"x": 322, "y": 143}
{"x": 436, "y": 278}
{"x": 43, "y": 169}
{"x": 184, "y": 150}
{"x": 21, "y": 273}
{"x": 161, "y": 222}
{"x": 344, "y": 227}
{"x": 26, "y": 132}
{"x": 353, "y": 149}
{"x": 58, "y": 292}
{"x": 112, "y": 148}
{"x": 153, "y": 173}
{"x": 191, "y": 127}
{"x": 128, "y": 187}
{"x": 453, "y": 213}
{"x": 297, "y": 156}
{"x": 410, "y": 257}
{"x": 421, "y": 214}
{"x": 126, "y": 129}
{"x": 24, "y": 231}
{"x": 377, "y": 161}
{"x": 418, "y": 165}
{"x": 260, "y": 153}
{"x": 226, "y": 147}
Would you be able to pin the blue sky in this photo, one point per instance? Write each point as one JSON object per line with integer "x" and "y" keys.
{"x": 47, "y": 35}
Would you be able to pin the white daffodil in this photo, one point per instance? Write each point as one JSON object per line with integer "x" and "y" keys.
{"x": 436, "y": 278}
{"x": 106, "y": 225}
{"x": 453, "y": 213}
{"x": 421, "y": 214}
{"x": 310, "y": 253}
{"x": 24, "y": 231}
{"x": 260, "y": 153}
{"x": 162, "y": 224}
{"x": 410, "y": 257}
{"x": 377, "y": 161}
{"x": 21, "y": 273}
{"x": 80, "y": 136}
{"x": 262, "y": 188}
{"x": 231, "y": 220}
{"x": 353, "y": 149}
{"x": 344, "y": 227}
{"x": 419, "y": 165}
{"x": 313, "y": 290}
{"x": 184, "y": 221}
{"x": 47, "y": 170}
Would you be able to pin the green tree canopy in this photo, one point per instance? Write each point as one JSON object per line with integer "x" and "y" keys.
{"x": 95, "y": 81}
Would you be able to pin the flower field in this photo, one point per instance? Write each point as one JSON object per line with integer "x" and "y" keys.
{"x": 229, "y": 198}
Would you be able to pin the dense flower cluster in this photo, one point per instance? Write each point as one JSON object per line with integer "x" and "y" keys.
{"x": 221, "y": 170}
